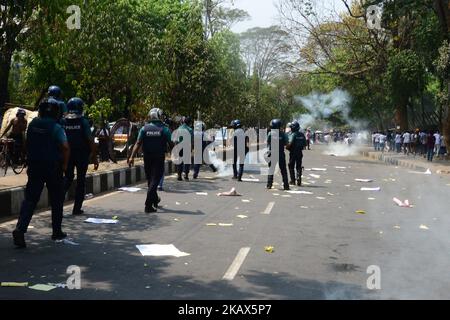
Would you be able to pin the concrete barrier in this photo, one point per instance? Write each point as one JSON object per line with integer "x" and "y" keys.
{"x": 11, "y": 199}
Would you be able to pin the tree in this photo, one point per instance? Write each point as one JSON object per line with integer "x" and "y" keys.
{"x": 219, "y": 17}
{"x": 16, "y": 22}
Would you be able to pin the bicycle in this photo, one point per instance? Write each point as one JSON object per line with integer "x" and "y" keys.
{"x": 7, "y": 157}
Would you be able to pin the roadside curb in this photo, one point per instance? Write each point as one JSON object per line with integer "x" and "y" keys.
{"x": 402, "y": 163}
{"x": 96, "y": 183}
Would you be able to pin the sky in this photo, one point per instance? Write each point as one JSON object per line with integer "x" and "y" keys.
{"x": 264, "y": 12}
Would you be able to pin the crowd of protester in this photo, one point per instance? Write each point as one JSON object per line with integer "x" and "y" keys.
{"x": 428, "y": 144}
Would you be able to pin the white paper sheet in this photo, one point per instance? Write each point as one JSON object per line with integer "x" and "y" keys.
{"x": 299, "y": 192}
{"x": 130, "y": 189}
{"x": 161, "y": 250}
{"x": 101, "y": 221}
{"x": 371, "y": 189}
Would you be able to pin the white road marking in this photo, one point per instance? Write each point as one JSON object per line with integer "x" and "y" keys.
{"x": 269, "y": 208}
{"x": 236, "y": 265}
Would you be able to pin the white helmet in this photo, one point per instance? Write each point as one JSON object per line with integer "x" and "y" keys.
{"x": 155, "y": 114}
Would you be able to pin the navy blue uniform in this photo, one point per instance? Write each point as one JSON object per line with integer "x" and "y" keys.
{"x": 154, "y": 137}
{"x": 237, "y": 158}
{"x": 44, "y": 138}
{"x": 204, "y": 146}
{"x": 78, "y": 135}
{"x": 281, "y": 159}
{"x": 184, "y": 167}
{"x": 297, "y": 142}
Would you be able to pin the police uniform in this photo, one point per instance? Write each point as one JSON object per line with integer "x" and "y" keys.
{"x": 154, "y": 137}
{"x": 281, "y": 160}
{"x": 237, "y": 158}
{"x": 44, "y": 138}
{"x": 201, "y": 135}
{"x": 297, "y": 143}
{"x": 78, "y": 135}
{"x": 183, "y": 167}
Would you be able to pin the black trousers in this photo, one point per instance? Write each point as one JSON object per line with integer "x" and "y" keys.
{"x": 295, "y": 164}
{"x": 238, "y": 173}
{"x": 39, "y": 175}
{"x": 283, "y": 169}
{"x": 79, "y": 159}
{"x": 154, "y": 170}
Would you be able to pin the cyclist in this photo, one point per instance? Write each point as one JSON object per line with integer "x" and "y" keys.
{"x": 19, "y": 126}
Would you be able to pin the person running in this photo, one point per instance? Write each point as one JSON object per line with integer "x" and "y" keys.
{"x": 407, "y": 142}
{"x": 437, "y": 142}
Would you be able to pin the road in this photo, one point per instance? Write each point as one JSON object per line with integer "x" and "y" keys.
{"x": 322, "y": 246}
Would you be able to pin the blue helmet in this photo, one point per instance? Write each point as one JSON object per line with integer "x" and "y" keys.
{"x": 186, "y": 120}
{"x": 276, "y": 124}
{"x": 75, "y": 106}
{"x": 49, "y": 108}
{"x": 21, "y": 113}
{"x": 295, "y": 126}
{"x": 236, "y": 124}
{"x": 54, "y": 92}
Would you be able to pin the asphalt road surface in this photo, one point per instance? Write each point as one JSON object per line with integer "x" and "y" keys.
{"x": 322, "y": 248}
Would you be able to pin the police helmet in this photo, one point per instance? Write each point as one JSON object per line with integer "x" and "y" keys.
{"x": 54, "y": 92}
{"x": 49, "y": 108}
{"x": 276, "y": 124}
{"x": 155, "y": 114}
{"x": 186, "y": 120}
{"x": 75, "y": 106}
{"x": 21, "y": 113}
{"x": 295, "y": 126}
{"x": 236, "y": 124}
{"x": 200, "y": 126}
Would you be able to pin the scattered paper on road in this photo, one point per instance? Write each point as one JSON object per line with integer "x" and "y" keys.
{"x": 231, "y": 193}
{"x": 428, "y": 172}
{"x": 299, "y": 192}
{"x": 371, "y": 189}
{"x": 328, "y": 181}
{"x": 360, "y": 212}
{"x": 318, "y": 169}
{"x": 202, "y": 193}
{"x": 403, "y": 204}
{"x": 14, "y": 284}
{"x": 341, "y": 167}
{"x": 397, "y": 227}
{"x": 42, "y": 287}
{"x": 241, "y": 216}
{"x": 286, "y": 196}
{"x": 250, "y": 180}
{"x": 225, "y": 224}
{"x": 315, "y": 176}
{"x": 67, "y": 241}
{"x": 246, "y": 201}
{"x": 269, "y": 249}
{"x": 321, "y": 198}
{"x": 371, "y": 199}
{"x": 364, "y": 180}
{"x": 211, "y": 224}
{"x": 130, "y": 189}
{"x": 160, "y": 250}
{"x": 101, "y": 221}
{"x": 424, "y": 227}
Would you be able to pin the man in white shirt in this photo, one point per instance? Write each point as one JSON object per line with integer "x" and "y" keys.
{"x": 407, "y": 142}
{"x": 398, "y": 142}
{"x": 382, "y": 141}
{"x": 437, "y": 144}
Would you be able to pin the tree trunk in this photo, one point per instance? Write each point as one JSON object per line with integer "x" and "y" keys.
{"x": 446, "y": 132}
{"x": 4, "y": 76}
{"x": 401, "y": 115}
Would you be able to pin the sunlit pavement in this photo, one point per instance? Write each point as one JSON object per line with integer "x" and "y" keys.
{"x": 323, "y": 243}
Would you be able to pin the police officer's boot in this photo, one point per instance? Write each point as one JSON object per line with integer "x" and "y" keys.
{"x": 59, "y": 235}
{"x": 19, "y": 239}
{"x": 179, "y": 177}
{"x": 299, "y": 179}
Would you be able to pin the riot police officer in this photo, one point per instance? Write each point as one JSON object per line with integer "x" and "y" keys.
{"x": 239, "y": 158}
{"x": 81, "y": 144}
{"x": 154, "y": 137}
{"x": 199, "y": 134}
{"x": 184, "y": 167}
{"x": 48, "y": 155}
{"x": 276, "y": 124}
{"x": 296, "y": 145}
{"x": 55, "y": 92}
